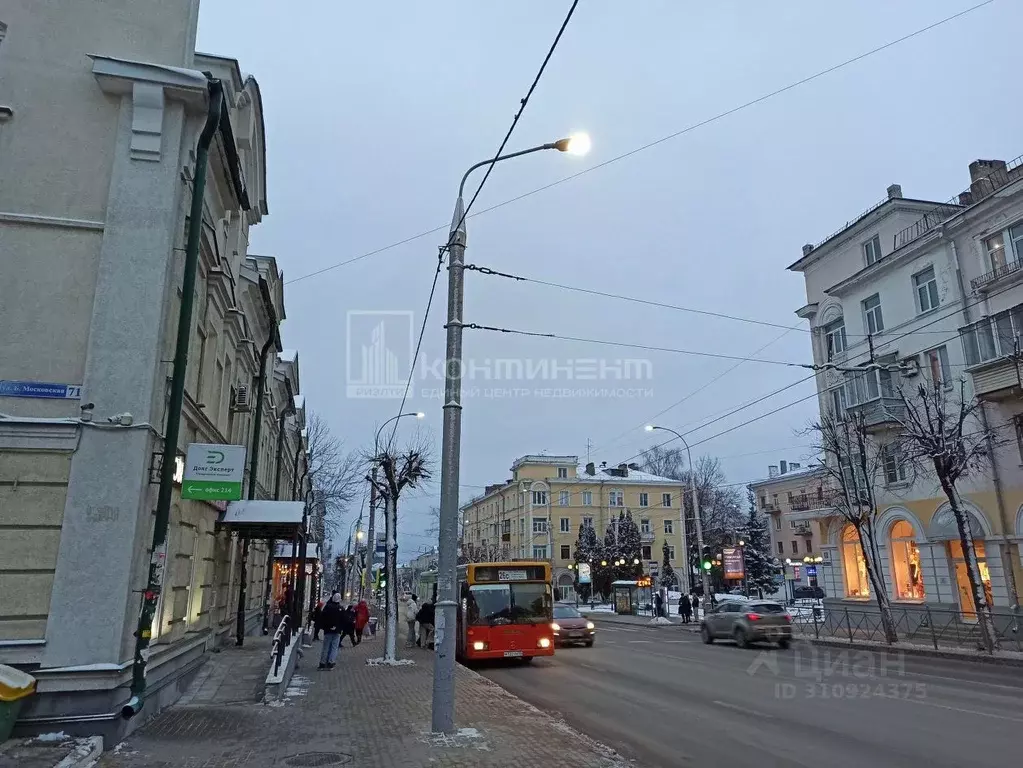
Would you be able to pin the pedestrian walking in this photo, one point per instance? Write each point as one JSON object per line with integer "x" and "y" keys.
{"x": 314, "y": 619}
{"x": 411, "y": 609}
{"x": 348, "y": 625}
{"x": 361, "y": 619}
{"x": 659, "y": 604}
{"x": 331, "y": 619}
{"x": 425, "y": 617}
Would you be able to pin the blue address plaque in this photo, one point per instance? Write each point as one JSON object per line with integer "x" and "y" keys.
{"x": 40, "y": 389}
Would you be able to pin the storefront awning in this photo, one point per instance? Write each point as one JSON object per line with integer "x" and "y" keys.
{"x": 263, "y": 519}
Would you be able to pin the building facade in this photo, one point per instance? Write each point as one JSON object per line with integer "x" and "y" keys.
{"x": 536, "y": 514}
{"x": 919, "y": 291}
{"x": 105, "y": 105}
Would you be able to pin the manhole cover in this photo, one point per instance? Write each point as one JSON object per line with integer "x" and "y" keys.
{"x": 315, "y": 759}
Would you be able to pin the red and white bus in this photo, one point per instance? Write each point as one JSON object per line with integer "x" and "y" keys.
{"x": 505, "y": 611}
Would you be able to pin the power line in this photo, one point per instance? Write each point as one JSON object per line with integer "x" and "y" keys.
{"x": 676, "y": 134}
{"x": 468, "y": 208}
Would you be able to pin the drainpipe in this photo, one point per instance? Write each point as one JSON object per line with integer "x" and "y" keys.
{"x": 253, "y": 471}
{"x": 303, "y": 549}
{"x": 158, "y": 558}
{"x": 277, "y": 497}
{"x": 996, "y": 478}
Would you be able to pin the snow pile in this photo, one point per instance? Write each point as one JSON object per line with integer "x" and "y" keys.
{"x": 58, "y": 736}
{"x": 381, "y": 662}
{"x": 463, "y": 737}
{"x": 661, "y": 621}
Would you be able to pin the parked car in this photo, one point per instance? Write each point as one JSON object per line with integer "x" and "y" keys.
{"x": 571, "y": 627}
{"x": 747, "y": 622}
{"x": 807, "y": 593}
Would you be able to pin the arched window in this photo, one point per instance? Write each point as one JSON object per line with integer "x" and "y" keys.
{"x": 909, "y": 581}
{"x": 857, "y": 583}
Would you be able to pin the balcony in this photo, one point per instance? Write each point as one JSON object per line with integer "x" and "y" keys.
{"x": 988, "y": 280}
{"x": 803, "y": 530}
{"x": 998, "y": 381}
{"x": 880, "y": 414}
{"x": 807, "y": 501}
{"x": 646, "y": 537}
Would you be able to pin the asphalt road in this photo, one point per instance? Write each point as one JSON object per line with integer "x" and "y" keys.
{"x": 662, "y": 698}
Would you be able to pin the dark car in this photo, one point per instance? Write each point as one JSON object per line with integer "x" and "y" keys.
{"x": 807, "y": 593}
{"x": 570, "y": 626}
{"x": 747, "y": 622}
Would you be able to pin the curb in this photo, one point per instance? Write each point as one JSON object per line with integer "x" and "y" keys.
{"x": 976, "y": 658}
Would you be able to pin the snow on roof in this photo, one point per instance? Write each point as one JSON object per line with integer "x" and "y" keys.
{"x": 288, "y": 355}
{"x": 283, "y": 512}
{"x": 299, "y": 402}
{"x": 636, "y": 477}
{"x": 802, "y": 472}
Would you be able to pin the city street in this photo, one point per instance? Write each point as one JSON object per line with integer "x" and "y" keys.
{"x": 663, "y": 698}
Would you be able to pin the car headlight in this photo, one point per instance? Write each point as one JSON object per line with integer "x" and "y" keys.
{"x": 556, "y": 627}
{"x": 544, "y": 642}
{"x": 590, "y": 625}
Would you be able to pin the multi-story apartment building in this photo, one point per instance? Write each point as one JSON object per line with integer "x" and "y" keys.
{"x": 104, "y": 104}
{"x": 793, "y": 497}
{"x": 536, "y": 514}
{"x": 930, "y": 292}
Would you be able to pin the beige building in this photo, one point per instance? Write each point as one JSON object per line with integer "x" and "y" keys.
{"x": 536, "y": 513}
{"x": 102, "y": 107}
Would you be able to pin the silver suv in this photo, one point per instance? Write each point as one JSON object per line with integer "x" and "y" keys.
{"x": 747, "y": 622}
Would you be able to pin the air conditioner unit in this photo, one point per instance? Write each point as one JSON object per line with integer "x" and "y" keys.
{"x": 910, "y": 366}
{"x": 241, "y": 398}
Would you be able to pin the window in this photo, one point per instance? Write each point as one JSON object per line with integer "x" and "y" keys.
{"x": 834, "y": 333}
{"x": 909, "y": 583}
{"x": 872, "y": 319}
{"x": 566, "y": 525}
{"x": 671, "y": 552}
{"x": 872, "y": 250}
{"x": 588, "y": 522}
{"x": 539, "y": 525}
{"x": 936, "y": 367}
{"x": 644, "y": 499}
{"x": 646, "y": 554}
{"x": 995, "y": 247}
{"x": 838, "y": 401}
{"x": 926, "y": 287}
{"x": 993, "y": 337}
{"x": 522, "y": 526}
{"x": 669, "y": 526}
{"x": 616, "y": 499}
{"x": 1017, "y": 420}
{"x": 566, "y": 553}
{"x": 539, "y": 498}
{"x": 644, "y": 525}
{"x": 565, "y": 498}
{"x": 809, "y": 545}
{"x": 854, "y": 565}
{"x": 666, "y": 500}
{"x": 587, "y": 499}
{"x": 562, "y": 472}
{"x": 781, "y": 548}
{"x": 795, "y": 547}
{"x": 506, "y": 528}
{"x": 863, "y": 387}
{"x": 539, "y": 552}
{"x": 777, "y": 523}
{"x": 894, "y": 466}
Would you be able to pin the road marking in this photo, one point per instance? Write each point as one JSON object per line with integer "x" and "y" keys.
{"x": 743, "y": 710}
{"x": 617, "y": 629}
{"x": 961, "y": 709}
{"x": 640, "y": 641}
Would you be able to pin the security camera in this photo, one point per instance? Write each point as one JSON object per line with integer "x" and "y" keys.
{"x": 87, "y": 411}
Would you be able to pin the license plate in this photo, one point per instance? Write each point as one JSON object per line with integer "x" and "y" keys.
{"x": 575, "y": 634}
{"x": 512, "y": 654}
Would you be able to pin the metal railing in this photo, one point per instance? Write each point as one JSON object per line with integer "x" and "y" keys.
{"x": 281, "y": 641}
{"x": 938, "y": 627}
{"x": 994, "y": 274}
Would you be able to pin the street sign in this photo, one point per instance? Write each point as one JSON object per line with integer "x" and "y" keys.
{"x": 584, "y": 573}
{"x": 811, "y": 570}
{"x": 732, "y": 559}
{"x": 795, "y": 572}
{"x": 213, "y": 472}
{"x": 45, "y": 390}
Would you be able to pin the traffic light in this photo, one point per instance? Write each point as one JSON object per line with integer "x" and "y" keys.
{"x": 706, "y": 561}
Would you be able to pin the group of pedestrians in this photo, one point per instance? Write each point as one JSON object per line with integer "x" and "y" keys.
{"x": 689, "y": 607}
{"x": 424, "y": 615}
{"x": 337, "y": 622}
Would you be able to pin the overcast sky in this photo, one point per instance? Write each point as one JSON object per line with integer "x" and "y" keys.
{"x": 374, "y": 110}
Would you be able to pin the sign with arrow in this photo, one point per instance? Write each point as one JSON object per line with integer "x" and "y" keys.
{"x": 213, "y": 472}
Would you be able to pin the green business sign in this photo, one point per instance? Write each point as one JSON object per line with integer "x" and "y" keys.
{"x": 213, "y": 472}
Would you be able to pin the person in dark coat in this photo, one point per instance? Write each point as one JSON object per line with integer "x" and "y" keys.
{"x": 348, "y": 625}
{"x": 658, "y": 604}
{"x": 685, "y": 609}
{"x": 314, "y": 619}
{"x": 425, "y": 617}
{"x": 331, "y": 619}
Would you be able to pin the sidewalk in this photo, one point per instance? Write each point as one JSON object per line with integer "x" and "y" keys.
{"x": 371, "y": 716}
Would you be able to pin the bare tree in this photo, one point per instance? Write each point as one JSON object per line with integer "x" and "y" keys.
{"x": 943, "y": 434}
{"x": 336, "y": 477}
{"x": 855, "y": 465}
{"x": 406, "y": 469}
{"x": 483, "y": 553}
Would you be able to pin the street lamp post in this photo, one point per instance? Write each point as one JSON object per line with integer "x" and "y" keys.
{"x": 443, "y": 704}
{"x": 696, "y": 513}
{"x": 373, "y": 492}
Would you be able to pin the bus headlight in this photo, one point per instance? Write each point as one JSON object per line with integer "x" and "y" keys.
{"x": 479, "y": 645}
{"x": 544, "y": 642}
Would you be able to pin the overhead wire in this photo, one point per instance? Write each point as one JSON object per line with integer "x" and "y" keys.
{"x": 694, "y": 126}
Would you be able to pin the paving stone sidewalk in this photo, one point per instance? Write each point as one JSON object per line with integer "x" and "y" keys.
{"x": 356, "y": 714}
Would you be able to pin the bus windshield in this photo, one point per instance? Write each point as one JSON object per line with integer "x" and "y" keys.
{"x": 520, "y": 603}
